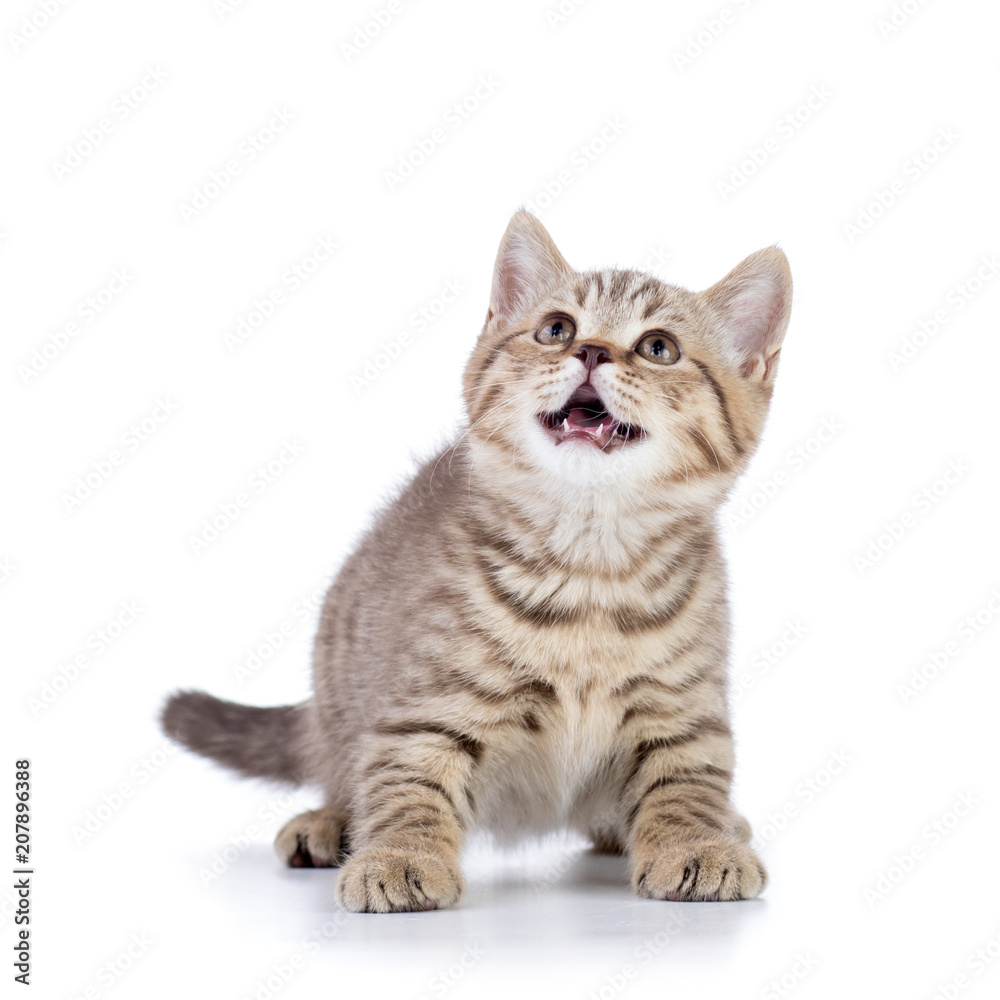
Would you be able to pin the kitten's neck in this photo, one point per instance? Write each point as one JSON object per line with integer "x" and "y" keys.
{"x": 598, "y": 527}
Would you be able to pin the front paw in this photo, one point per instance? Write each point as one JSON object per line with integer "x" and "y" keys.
{"x": 699, "y": 871}
{"x": 390, "y": 880}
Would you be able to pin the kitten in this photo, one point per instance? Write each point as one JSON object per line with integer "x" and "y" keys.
{"x": 534, "y": 633}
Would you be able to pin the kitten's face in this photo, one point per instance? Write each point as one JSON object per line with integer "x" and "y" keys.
{"x": 613, "y": 378}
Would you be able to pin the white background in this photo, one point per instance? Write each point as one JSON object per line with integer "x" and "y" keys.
{"x": 125, "y": 836}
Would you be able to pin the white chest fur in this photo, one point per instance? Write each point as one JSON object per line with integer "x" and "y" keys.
{"x": 554, "y": 777}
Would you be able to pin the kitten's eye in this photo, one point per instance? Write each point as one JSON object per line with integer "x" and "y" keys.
{"x": 556, "y": 330}
{"x": 658, "y": 347}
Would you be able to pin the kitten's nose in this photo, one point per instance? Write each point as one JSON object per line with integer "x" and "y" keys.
{"x": 592, "y": 355}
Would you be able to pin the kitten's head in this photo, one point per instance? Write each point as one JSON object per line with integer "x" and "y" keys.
{"x": 614, "y": 379}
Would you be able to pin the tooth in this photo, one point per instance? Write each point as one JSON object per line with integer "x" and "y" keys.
{"x": 600, "y": 428}
{"x": 565, "y": 425}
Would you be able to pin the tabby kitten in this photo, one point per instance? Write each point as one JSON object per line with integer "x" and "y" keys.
{"x": 534, "y": 633}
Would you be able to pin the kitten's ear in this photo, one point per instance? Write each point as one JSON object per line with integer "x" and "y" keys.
{"x": 527, "y": 264}
{"x": 754, "y": 302}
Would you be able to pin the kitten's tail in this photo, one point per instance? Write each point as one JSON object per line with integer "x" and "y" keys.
{"x": 256, "y": 742}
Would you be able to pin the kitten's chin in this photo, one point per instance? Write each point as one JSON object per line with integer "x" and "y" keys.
{"x": 579, "y": 461}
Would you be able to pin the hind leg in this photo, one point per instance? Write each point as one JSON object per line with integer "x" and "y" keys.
{"x": 606, "y": 842}
{"x": 314, "y": 839}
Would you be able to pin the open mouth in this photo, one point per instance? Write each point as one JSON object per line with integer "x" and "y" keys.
{"x": 585, "y": 418}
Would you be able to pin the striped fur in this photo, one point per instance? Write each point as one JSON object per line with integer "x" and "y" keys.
{"x": 534, "y": 635}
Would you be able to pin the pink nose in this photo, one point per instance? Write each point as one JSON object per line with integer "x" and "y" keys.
{"x": 591, "y": 355}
